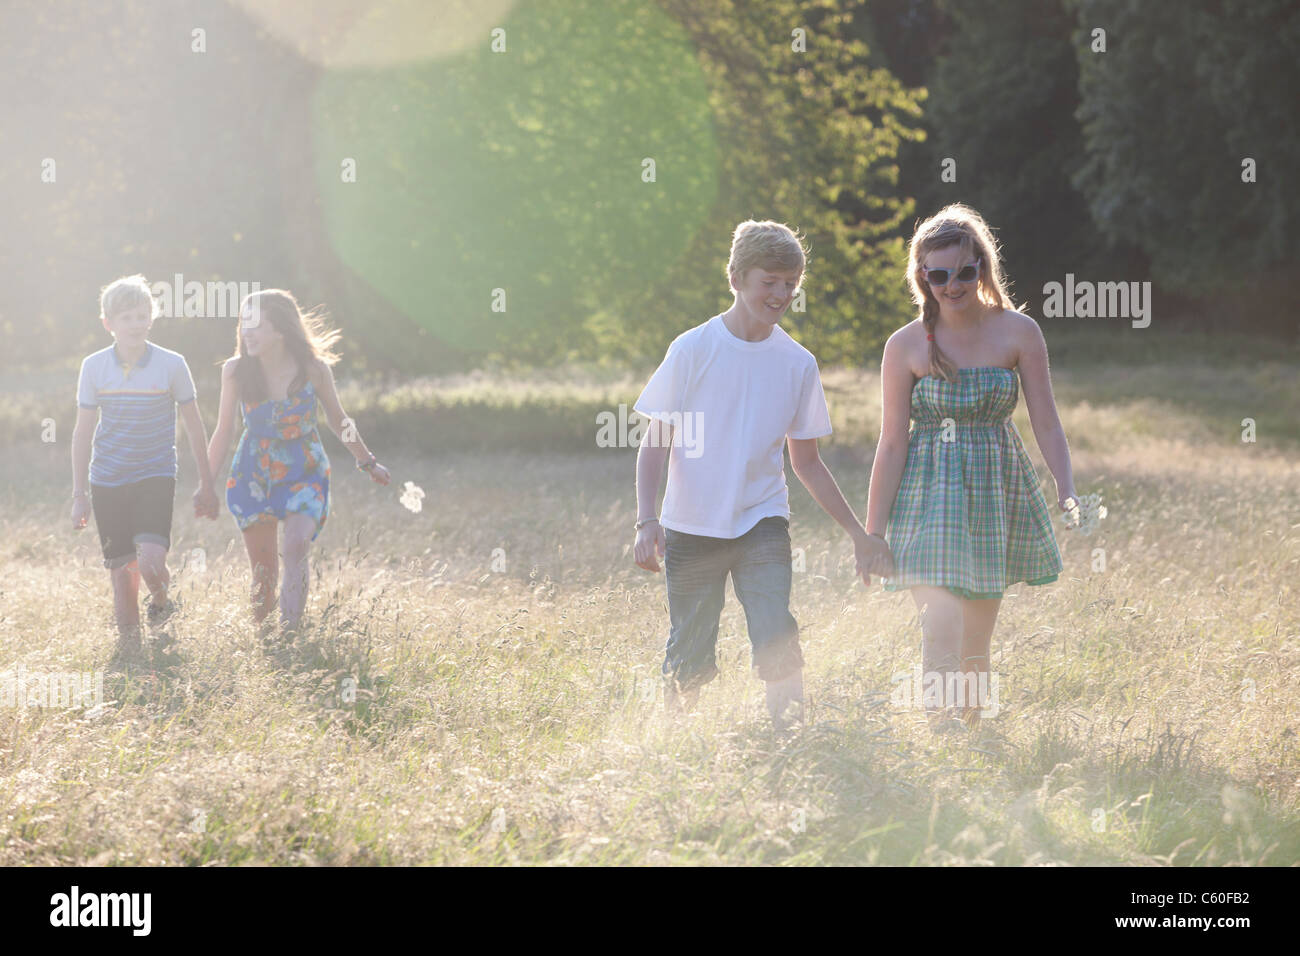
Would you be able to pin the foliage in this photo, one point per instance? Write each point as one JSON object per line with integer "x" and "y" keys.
{"x": 1168, "y": 114}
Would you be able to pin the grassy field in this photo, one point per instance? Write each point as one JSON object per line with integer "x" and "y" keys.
{"x": 463, "y": 704}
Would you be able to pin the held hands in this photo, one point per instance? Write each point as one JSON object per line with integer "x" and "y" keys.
{"x": 871, "y": 555}
{"x": 205, "y": 503}
{"x": 80, "y": 512}
{"x": 650, "y": 541}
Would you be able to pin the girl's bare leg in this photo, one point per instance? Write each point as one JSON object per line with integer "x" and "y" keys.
{"x": 979, "y": 617}
{"x": 298, "y": 531}
{"x": 259, "y": 542}
{"x": 941, "y": 641}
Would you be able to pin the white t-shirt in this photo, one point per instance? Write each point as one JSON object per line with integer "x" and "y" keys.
{"x": 732, "y": 404}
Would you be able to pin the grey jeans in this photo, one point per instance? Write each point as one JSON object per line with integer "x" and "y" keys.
{"x": 696, "y": 568}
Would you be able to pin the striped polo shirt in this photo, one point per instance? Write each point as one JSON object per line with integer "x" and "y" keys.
{"x": 136, "y": 435}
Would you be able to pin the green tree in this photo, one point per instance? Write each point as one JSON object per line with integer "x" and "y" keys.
{"x": 1169, "y": 112}
{"x": 809, "y": 137}
{"x": 1003, "y": 93}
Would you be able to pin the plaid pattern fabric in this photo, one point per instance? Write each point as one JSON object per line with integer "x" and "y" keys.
{"x": 969, "y": 515}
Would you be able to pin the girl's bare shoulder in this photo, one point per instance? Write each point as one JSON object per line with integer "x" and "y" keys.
{"x": 1019, "y": 329}
{"x": 907, "y": 346}
{"x": 1013, "y": 320}
{"x": 912, "y": 331}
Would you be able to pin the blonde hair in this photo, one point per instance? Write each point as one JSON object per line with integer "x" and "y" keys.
{"x": 954, "y": 225}
{"x": 766, "y": 245}
{"x": 306, "y": 337}
{"x": 126, "y": 293}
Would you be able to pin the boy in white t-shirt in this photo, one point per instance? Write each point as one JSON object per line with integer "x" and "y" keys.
{"x": 728, "y": 394}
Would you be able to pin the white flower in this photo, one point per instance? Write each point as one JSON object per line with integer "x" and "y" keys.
{"x": 413, "y": 497}
{"x": 1084, "y": 513}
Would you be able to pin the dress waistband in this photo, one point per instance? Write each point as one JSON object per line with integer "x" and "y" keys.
{"x": 273, "y": 431}
{"x": 918, "y": 426}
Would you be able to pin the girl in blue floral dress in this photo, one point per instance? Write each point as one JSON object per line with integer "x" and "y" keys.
{"x": 280, "y": 475}
{"x": 280, "y": 466}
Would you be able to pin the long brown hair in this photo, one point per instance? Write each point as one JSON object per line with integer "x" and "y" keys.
{"x": 306, "y": 337}
{"x": 955, "y": 225}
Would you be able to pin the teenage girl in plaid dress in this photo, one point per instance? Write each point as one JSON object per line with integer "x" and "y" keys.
{"x": 956, "y": 496}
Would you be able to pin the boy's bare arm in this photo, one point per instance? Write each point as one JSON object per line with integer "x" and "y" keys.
{"x": 205, "y": 497}
{"x": 806, "y": 460}
{"x": 650, "y": 460}
{"x": 871, "y": 553}
{"x": 198, "y": 438}
{"x": 83, "y": 434}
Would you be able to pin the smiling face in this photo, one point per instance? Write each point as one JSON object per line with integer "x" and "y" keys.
{"x": 130, "y": 324}
{"x": 259, "y": 336}
{"x": 955, "y": 297}
{"x": 765, "y": 295}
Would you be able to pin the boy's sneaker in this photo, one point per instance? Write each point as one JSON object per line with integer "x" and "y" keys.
{"x": 159, "y": 614}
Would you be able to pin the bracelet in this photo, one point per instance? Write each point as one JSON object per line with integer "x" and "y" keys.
{"x": 872, "y": 534}
{"x": 368, "y": 464}
{"x": 643, "y": 522}
{"x": 82, "y": 495}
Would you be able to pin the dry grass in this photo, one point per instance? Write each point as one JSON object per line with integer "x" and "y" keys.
{"x": 514, "y": 716}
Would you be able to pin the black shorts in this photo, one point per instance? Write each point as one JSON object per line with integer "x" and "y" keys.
{"x": 127, "y": 515}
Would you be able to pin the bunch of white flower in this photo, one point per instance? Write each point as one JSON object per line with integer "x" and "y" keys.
{"x": 1084, "y": 513}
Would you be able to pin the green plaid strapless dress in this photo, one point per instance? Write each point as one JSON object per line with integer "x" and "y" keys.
{"x": 970, "y": 515}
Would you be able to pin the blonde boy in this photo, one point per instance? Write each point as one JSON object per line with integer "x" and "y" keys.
{"x": 124, "y": 454}
{"x": 741, "y": 387}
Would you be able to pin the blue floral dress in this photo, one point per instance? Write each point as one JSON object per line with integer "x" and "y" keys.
{"x": 280, "y": 464}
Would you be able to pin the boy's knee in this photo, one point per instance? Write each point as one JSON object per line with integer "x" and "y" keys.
{"x": 772, "y": 629}
{"x": 151, "y": 556}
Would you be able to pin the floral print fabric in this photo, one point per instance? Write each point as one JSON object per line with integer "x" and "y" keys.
{"x": 280, "y": 465}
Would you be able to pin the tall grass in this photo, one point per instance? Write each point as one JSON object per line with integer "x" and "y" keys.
{"x": 456, "y": 703}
